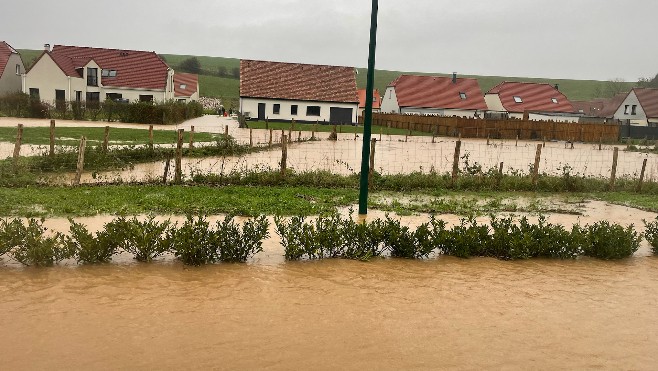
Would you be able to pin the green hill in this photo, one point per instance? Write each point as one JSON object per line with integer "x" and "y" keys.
{"x": 217, "y": 79}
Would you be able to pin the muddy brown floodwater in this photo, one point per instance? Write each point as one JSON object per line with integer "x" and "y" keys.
{"x": 442, "y": 313}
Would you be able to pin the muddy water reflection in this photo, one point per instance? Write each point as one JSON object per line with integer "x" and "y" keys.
{"x": 389, "y": 314}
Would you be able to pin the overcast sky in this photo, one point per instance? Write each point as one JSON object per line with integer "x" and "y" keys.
{"x": 580, "y": 39}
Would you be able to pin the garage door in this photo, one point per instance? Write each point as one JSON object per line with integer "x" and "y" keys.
{"x": 340, "y": 115}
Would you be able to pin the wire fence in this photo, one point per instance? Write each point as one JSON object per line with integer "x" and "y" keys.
{"x": 312, "y": 151}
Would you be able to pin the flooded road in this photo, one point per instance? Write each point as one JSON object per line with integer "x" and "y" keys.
{"x": 386, "y": 314}
{"x": 441, "y": 313}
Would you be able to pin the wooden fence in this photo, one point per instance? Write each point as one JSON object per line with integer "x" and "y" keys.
{"x": 498, "y": 129}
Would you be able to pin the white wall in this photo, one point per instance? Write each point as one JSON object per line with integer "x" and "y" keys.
{"x": 640, "y": 117}
{"x": 390, "y": 101}
{"x": 133, "y": 94}
{"x": 540, "y": 117}
{"x": 250, "y": 105}
{"x": 47, "y": 77}
{"x": 10, "y": 82}
{"x": 494, "y": 103}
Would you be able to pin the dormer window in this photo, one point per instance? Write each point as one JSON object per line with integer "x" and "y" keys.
{"x": 554, "y": 100}
{"x": 183, "y": 86}
{"x": 518, "y": 99}
{"x": 462, "y": 95}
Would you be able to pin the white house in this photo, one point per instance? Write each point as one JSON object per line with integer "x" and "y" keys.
{"x": 434, "y": 95}
{"x": 11, "y": 69}
{"x": 303, "y": 92}
{"x": 72, "y": 73}
{"x": 538, "y": 101}
{"x": 640, "y": 107}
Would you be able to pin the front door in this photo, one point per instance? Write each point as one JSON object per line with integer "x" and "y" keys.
{"x": 261, "y": 111}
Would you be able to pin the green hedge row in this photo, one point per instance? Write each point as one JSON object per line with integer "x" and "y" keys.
{"x": 196, "y": 242}
{"x": 171, "y": 112}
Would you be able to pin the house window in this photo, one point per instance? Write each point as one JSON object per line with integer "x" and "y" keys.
{"x": 109, "y": 73}
{"x": 146, "y": 98}
{"x": 313, "y": 111}
{"x": 60, "y": 99}
{"x": 276, "y": 109}
{"x": 462, "y": 95}
{"x": 634, "y": 110}
{"x": 93, "y": 99}
{"x": 183, "y": 86}
{"x": 78, "y": 96}
{"x": 626, "y": 109}
{"x": 18, "y": 69}
{"x": 293, "y": 110}
{"x": 92, "y": 76}
{"x": 34, "y": 93}
{"x": 554, "y": 100}
{"x": 114, "y": 96}
{"x": 518, "y": 99}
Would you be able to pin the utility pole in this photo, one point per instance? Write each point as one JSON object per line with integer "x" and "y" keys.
{"x": 367, "y": 120}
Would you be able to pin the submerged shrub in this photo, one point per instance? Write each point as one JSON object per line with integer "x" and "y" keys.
{"x": 237, "y": 245}
{"x": 29, "y": 245}
{"x": 146, "y": 240}
{"x": 298, "y": 238}
{"x": 651, "y": 234}
{"x": 611, "y": 241}
{"x": 467, "y": 239}
{"x": 362, "y": 241}
{"x": 87, "y": 248}
{"x": 193, "y": 243}
{"x": 405, "y": 243}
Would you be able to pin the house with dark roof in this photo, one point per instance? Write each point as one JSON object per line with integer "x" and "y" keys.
{"x": 11, "y": 69}
{"x": 639, "y": 107}
{"x": 303, "y": 92}
{"x": 72, "y": 73}
{"x": 376, "y": 101}
{"x": 434, "y": 95}
{"x": 537, "y": 101}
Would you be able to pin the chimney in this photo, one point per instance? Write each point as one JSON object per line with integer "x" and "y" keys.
{"x": 46, "y": 47}
{"x": 557, "y": 87}
{"x": 454, "y": 77}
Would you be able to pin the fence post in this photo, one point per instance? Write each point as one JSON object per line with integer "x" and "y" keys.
{"x": 373, "y": 145}
{"x": 600, "y": 142}
{"x": 226, "y": 131}
{"x": 284, "y": 154}
{"x": 544, "y": 143}
{"x": 613, "y": 174}
{"x": 178, "y": 177}
{"x": 151, "y": 137}
{"x": 455, "y": 160}
{"x": 52, "y": 138}
{"x": 313, "y": 132}
{"x": 500, "y": 174}
{"x": 644, "y": 168}
{"x": 81, "y": 161}
{"x": 19, "y": 142}
{"x": 333, "y": 135}
{"x": 267, "y": 124}
{"x": 251, "y": 137}
{"x": 166, "y": 170}
{"x": 517, "y": 140}
{"x": 106, "y": 138}
{"x": 535, "y": 169}
{"x": 381, "y": 130}
{"x": 299, "y": 136}
{"x": 271, "y": 135}
{"x": 192, "y": 137}
{"x": 487, "y": 139}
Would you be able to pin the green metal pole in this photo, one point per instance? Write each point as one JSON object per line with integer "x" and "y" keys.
{"x": 367, "y": 120}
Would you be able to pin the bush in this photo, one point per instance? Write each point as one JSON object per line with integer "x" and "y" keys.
{"x": 194, "y": 243}
{"x": 236, "y": 245}
{"x": 651, "y": 234}
{"x": 89, "y": 249}
{"x": 609, "y": 242}
{"x": 146, "y": 240}
{"x": 417, "y": 244}
{"x": 467, "y": 239}
{"x": 29, "y": 245}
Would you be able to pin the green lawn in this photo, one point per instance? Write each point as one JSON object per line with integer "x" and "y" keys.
{"x": 326, "y": 128}
{"x": 71, "y": 136}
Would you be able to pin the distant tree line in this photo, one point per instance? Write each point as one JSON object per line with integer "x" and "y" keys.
{"x": 192, "y": 65}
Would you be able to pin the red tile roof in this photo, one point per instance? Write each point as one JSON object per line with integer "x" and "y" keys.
{"x": 296, "y": 81}
{"x": 185, "y": 84}
{"x": 5, "y": 53}
{"x": 611, "y": 105}
{"x": 536, "y": 97}
{"x": 649, "y": 100}
{"x": 135, "y": 69}
{"x": 438, "y": 92}
{"x": 376, "y": 99}
{"x": 592, "y": 107}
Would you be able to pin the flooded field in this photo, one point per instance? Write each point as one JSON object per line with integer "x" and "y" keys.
{"x": 395, "y": 154}
{"x": 439, "y": 313}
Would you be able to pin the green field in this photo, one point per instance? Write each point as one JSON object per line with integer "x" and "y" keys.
{"x": 71, "y": 136}
{"x": 228, "y": 88}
